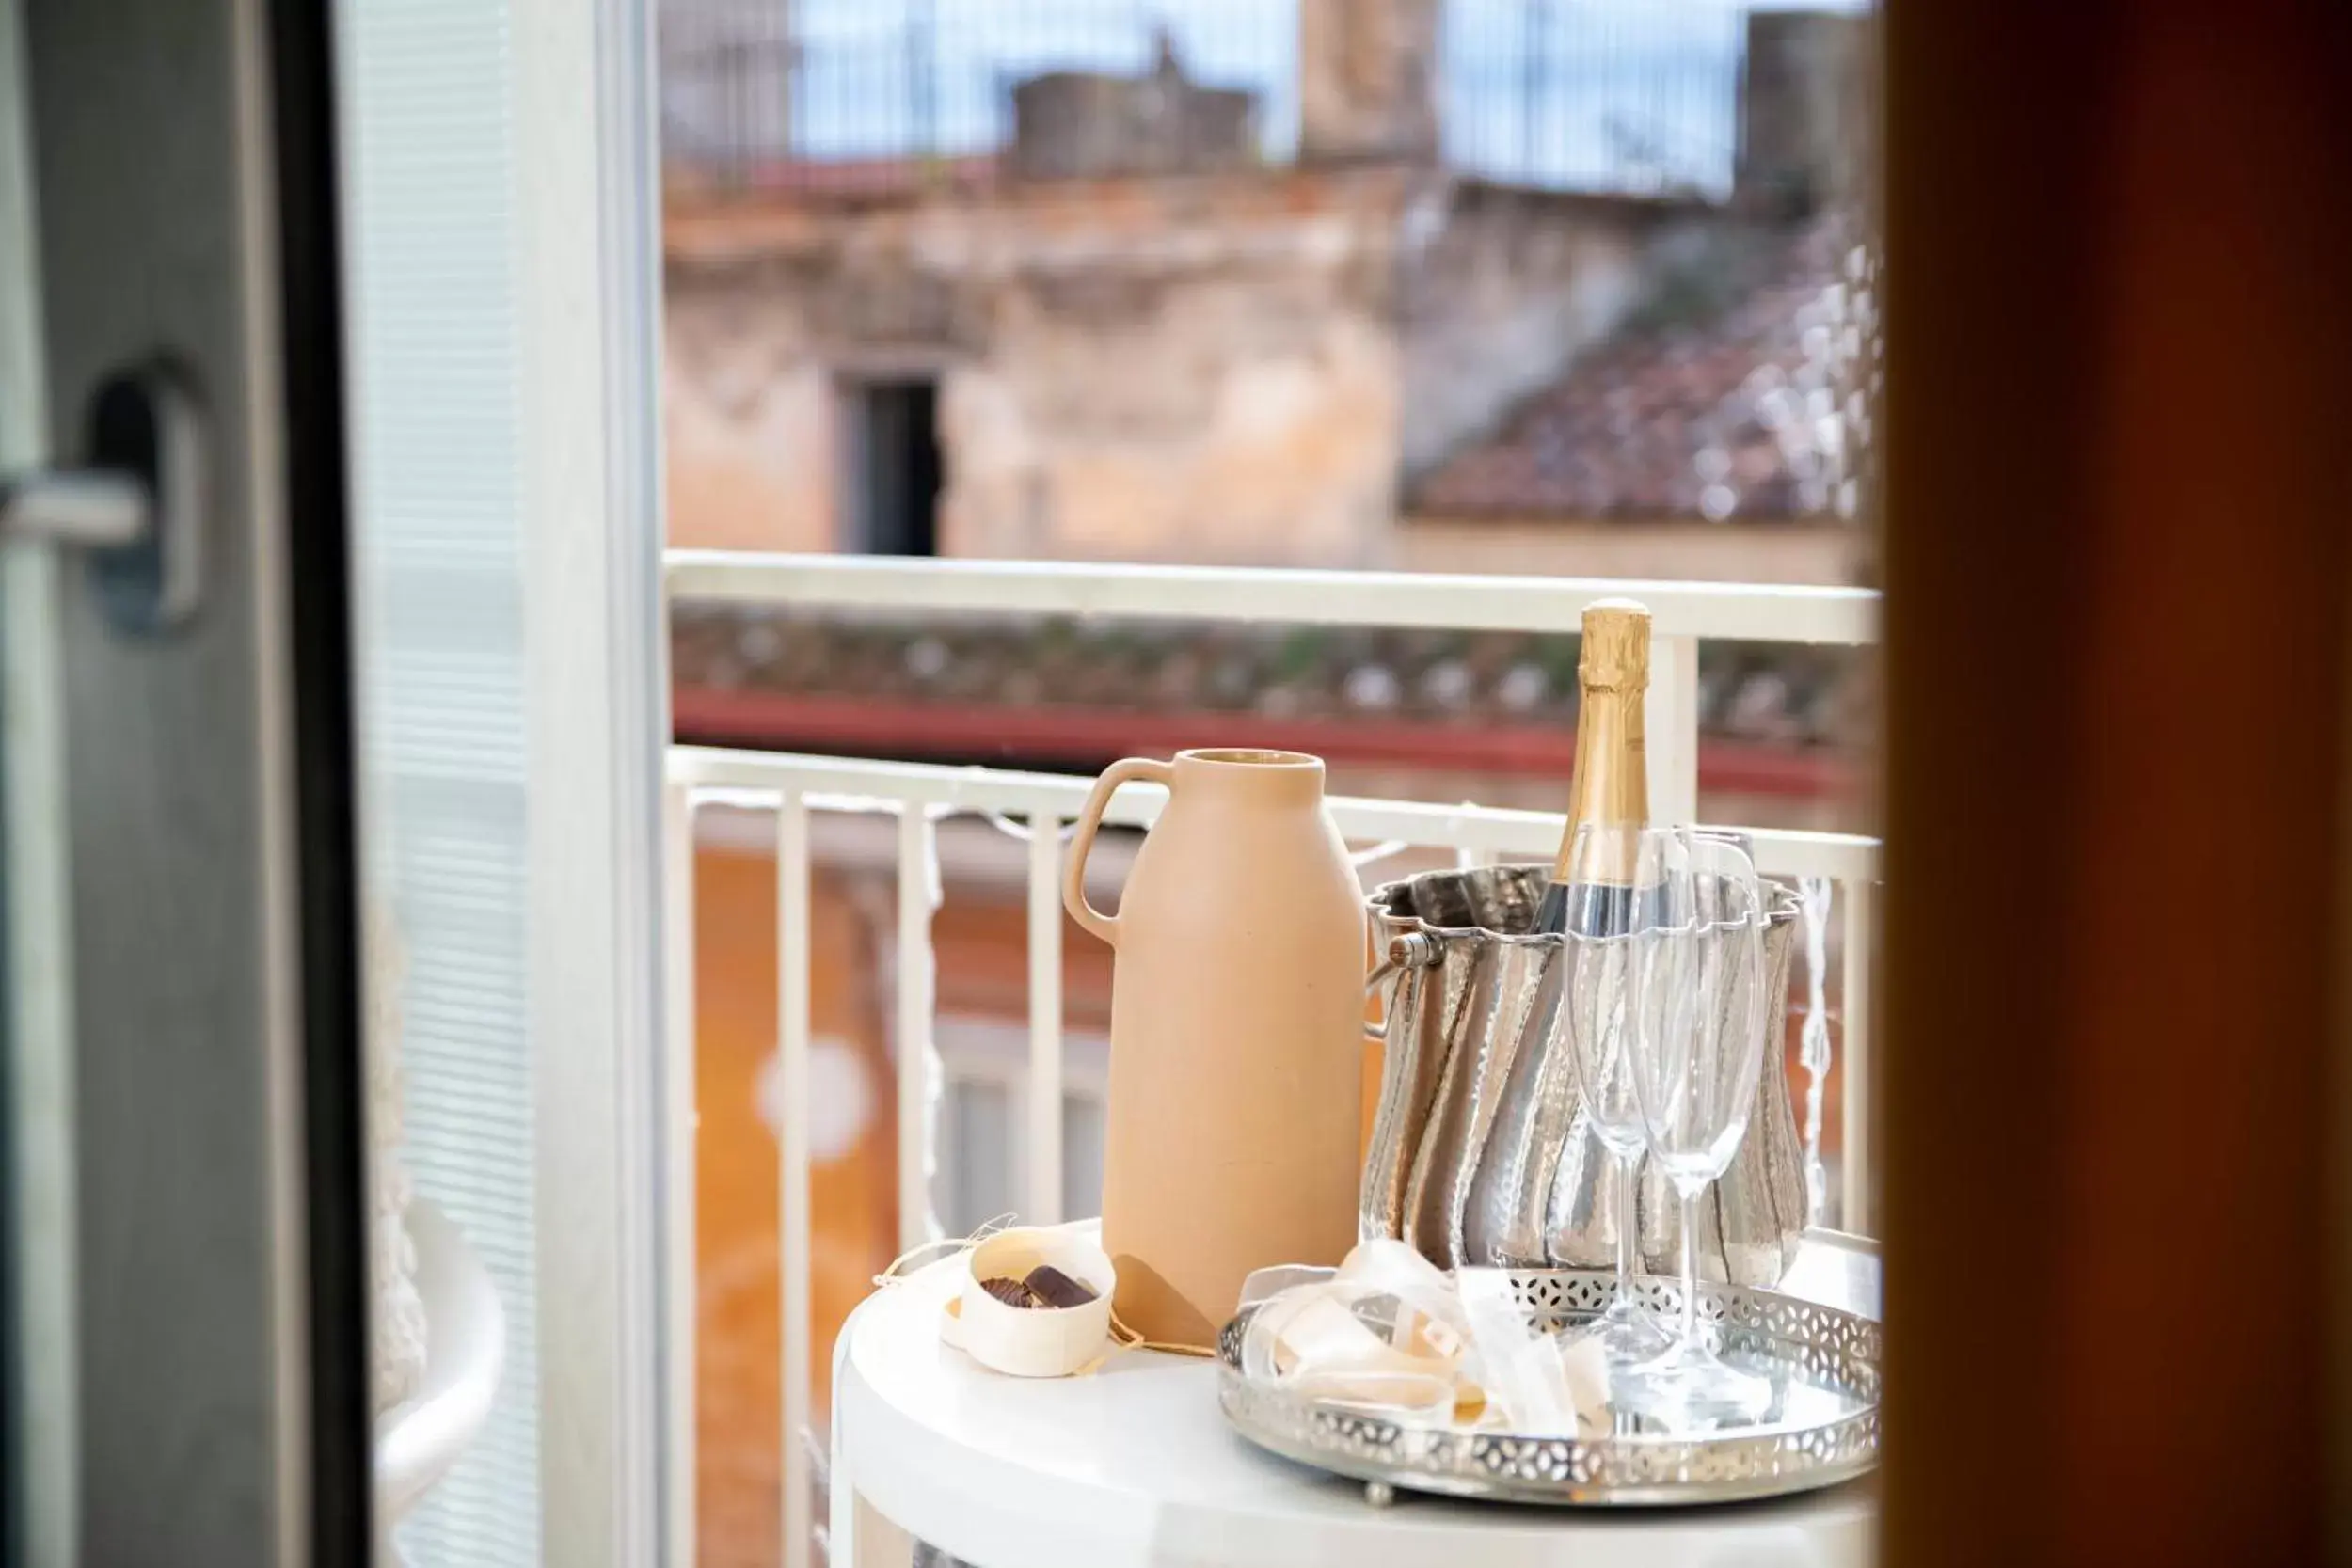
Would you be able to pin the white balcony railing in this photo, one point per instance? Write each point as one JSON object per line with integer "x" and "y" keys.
{"x": 1835, "y": 866}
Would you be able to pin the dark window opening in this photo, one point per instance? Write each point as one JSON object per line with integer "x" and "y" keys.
{"x": 897, "y": 467}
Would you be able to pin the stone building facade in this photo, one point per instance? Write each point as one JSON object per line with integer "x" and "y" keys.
{"x": 1195, "y": 368}
{"x": 1125, "y": 341}
{"x": 1137, "y": 354}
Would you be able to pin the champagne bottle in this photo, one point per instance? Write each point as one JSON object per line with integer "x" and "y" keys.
{"x": 1591, "y": 890}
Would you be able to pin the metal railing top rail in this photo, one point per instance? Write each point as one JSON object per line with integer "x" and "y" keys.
{"x": 717, "y": 773}
{"x": 1755, "y": 613}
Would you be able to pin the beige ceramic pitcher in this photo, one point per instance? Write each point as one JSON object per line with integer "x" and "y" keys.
{"x": 1236, "y": 1035}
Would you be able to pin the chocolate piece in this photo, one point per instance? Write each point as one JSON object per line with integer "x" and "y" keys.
{"x": 1012, "y": 1293}
{"x": 1053, "y": 1288}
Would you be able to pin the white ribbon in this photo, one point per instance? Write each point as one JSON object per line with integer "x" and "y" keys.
{"x": 1449, "y": 1344}
{"x": 1543, "y": 1386}
{"x": 1307, "y": 1336}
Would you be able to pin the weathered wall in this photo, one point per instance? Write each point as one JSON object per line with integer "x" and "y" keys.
{"x": 1086, "y": 124}
{"x": 1226, "y": 408}
{"x": 724, "y": 90}
{"x": 1693, "y": 552}
{"x": 1174, "y": 370}
{"x": 765, "y": 318}
{"x": 1508, "y": 288}
{"x": 1366, "y": 79}
{"x": 1234, "y": 369}
{"x": 1803, "y": 126}
{"x": 751, "y": 418}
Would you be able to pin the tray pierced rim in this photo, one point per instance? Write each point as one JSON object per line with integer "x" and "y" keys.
{"x": 1829, "y": 1346}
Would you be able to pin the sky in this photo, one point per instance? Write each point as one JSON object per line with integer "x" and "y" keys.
{"x": 1568, "y": 93}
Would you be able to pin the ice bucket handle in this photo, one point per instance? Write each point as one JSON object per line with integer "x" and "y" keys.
{"x": 1409, "y": 950}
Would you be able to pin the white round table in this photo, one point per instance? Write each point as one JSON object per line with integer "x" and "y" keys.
{"x": 1134, "y": 1466}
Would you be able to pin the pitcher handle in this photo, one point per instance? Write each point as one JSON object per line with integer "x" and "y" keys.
{"x": 1073, "y": 876}
{"x": 1410, "y": 950}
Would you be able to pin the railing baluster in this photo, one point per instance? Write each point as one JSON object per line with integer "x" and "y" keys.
{"x": 1672, "y": 720}
{"x": 919, "y": 895}
{"x": 792, "y": 1165}
{"x": 1044, "y": 1112}
{"x": 1855, "y": 1106}
{"x": 922, "y": 793}
{"x": 677, "y": 1154}
{"x": 1815, "y": 1052}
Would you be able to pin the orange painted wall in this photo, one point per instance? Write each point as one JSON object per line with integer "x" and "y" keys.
{"x": 737, "y": 1386}
{"x": 981, "y": 948}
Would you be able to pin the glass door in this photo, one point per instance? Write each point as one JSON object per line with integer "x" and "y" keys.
{"x": 187, "y": 1367}
{"x": 333, "y": 1109}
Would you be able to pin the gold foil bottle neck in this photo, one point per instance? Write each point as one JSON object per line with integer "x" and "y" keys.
{"x": 1615, "y": 654}
{"x": 1611, "y": 781}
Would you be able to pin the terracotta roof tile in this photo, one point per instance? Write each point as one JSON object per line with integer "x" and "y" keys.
{"x": 1784, "y": 695}
{"x": 1736, "y": 415}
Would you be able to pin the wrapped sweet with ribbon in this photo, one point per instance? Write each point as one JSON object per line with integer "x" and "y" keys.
{"x": 1390, "y": 1333}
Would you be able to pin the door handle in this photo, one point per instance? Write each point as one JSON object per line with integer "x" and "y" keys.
{"x": 106, "y": 511}
{"x": 137, "y": 504}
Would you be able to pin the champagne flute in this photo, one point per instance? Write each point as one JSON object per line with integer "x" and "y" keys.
{"x": 1597, "y": 993}
{"x": 1698, "y": 1050}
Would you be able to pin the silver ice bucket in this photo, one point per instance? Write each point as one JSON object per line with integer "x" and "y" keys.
{"x": 1482, "y": 1151}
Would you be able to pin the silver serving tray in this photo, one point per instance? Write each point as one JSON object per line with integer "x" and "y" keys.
{"x": 1822, "y": 1427}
